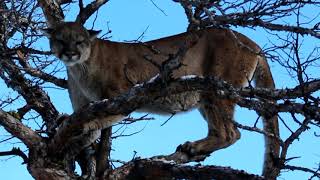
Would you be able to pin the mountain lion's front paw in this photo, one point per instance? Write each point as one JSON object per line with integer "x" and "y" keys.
{"x": 187, "y": 152}
{"x": 187, "y": 148}
{"x": 191, "y": 151}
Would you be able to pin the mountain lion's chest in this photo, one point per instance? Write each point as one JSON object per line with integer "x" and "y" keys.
{"x": 89, "y": 81}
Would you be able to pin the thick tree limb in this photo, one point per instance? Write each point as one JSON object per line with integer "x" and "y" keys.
{"x": 103, "y": 151}
{"x": 19, "y": 130}
{"x": 148, "y": 169}
{"x": 80, "y": 122}
{"x": 52, "y": 11}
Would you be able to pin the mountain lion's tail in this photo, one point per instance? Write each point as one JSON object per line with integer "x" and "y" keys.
{"x": 263, "y": 79}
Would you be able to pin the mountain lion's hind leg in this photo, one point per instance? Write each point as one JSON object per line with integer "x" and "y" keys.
{"x": 222, "y": 132}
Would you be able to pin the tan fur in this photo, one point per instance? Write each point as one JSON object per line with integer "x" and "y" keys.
{"x": 111, "y": 68}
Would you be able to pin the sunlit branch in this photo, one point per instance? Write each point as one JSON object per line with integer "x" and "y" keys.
{"x": 19, "y": 130}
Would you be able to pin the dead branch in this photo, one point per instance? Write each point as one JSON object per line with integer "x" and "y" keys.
{"x": 91, "y": 8}
{"x": 297, "y": 168}
{"x": 262, "y": 14}
{"x": 73, "y": 131}
{"x": 15, "y": 152}
{"x": 33, "y": 94}
{"x": 47, "y": 77}
{"x": 255, "y": 129}
{"x": 103, "y": 152}
{"x": 36, "y": 72}
{"x": 19, "y": 130}
{"x": 158, "y": 169}
{"x": 148, "y": 92}
{"x": 296, "y": 92}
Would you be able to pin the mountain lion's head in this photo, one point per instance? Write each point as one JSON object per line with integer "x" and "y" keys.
{"x": 70, "y": 42}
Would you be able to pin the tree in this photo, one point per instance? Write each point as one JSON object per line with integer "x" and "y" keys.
{"x": 55, "y": 143}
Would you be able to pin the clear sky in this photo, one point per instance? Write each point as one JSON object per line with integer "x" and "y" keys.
{"x": 128, "y": 20}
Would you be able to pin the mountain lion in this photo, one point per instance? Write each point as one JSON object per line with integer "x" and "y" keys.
{"x": 99, "y": 69}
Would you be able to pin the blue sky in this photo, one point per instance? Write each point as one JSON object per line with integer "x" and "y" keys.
{"x": 128, "y": 20}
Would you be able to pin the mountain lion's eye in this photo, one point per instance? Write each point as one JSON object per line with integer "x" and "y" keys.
{"x": 60, "y": 41}
{"x": 78, "y": 42}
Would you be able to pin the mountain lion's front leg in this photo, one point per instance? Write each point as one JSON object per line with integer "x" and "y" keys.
{"x": 221, "y": 131}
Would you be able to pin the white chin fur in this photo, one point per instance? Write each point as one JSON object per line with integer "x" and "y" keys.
{"x": 71, "y": 63}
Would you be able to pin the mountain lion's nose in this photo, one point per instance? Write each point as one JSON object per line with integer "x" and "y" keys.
{"x": 70, "y": 54}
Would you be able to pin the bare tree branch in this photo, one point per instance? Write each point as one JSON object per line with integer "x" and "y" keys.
{"x": 19, "y": 130}
{"x": 47, "y": 77}
{"x": 103, "y": 152}
{"x": 147, "y": 169}
{"x": 14, "y": 78}
{"x": 24, "y": 68}
{"x": 297, "y": 168}
{"x": 139, "y": 95}
{"x": 15, "y": 152}
{"x": 296, "y": 92}
{"x": 36, "y": 72}
{"x": 33, "y": 94}
{"x": 238, "y": 21}
{"x": 91, "y": 8}
{"x": 262, "y": 14}
{"x": 52, "y": 11}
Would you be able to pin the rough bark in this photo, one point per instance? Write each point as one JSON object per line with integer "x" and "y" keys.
{"x": 147, "y": 169}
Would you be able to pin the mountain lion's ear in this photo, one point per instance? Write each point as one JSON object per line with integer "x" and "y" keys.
{"x": 47, "y": 32}
{"x": 93, "y": 34}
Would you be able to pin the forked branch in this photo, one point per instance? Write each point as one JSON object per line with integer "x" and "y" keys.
{"x": 86, "y": 12}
